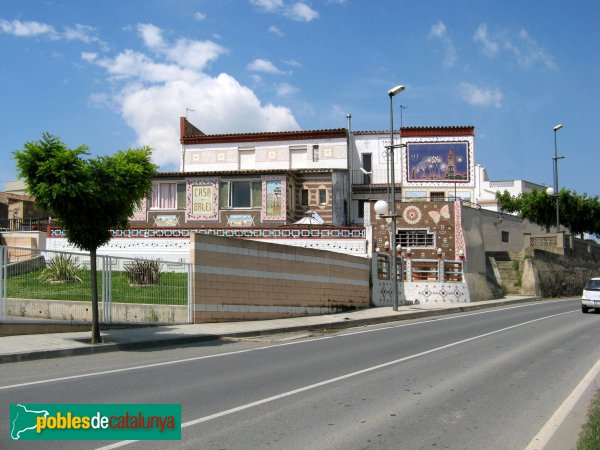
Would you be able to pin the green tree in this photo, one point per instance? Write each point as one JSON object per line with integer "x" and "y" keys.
{"x": 579, "y": 213}
{"x": 89, "y": 197}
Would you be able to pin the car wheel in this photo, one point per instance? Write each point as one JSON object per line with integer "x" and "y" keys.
{"x": 584, "y": 309}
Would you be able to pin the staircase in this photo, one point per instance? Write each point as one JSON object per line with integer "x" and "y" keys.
{"x": 509, "y": 277}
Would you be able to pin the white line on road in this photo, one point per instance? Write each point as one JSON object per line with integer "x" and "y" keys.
{"x": 342, "y": 377}
{"x": 547, "y": 431}
{"x": 237, "y": 352}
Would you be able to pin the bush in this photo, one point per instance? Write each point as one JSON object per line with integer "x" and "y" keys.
{"x": 61, "y": 269}
{"x": 589, "y": 438}
{"x": 143, "y": 272}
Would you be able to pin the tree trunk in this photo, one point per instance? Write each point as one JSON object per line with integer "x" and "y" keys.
{"x": 96, "y": 339}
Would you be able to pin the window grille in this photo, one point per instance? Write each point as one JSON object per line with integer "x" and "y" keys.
{"x": 416, "y": 238}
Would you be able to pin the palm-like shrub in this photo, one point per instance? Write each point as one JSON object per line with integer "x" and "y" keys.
{"x": 143, "y": 272}
{"x": 61, "y": 269}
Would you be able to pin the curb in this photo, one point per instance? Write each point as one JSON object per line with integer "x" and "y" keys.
{"x": 349, "y": 323}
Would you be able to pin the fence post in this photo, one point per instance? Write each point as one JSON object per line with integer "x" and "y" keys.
{"x": 3, "y": 273}
{"x": 106, "y": 289}
{"x": 190, "y": 293}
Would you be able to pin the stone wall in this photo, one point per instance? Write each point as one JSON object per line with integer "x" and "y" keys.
{"x": 553, "y": 275}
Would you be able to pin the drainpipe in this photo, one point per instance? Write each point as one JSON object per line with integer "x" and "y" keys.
{"x": 349, "y": 165}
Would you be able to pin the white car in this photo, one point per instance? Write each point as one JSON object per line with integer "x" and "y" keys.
{"x": 591, "y": 295}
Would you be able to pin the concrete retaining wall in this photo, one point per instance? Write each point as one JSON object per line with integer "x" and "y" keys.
{"x": 549, "y": 274}
{"x": 82, "y": 311}
{"x": 237, "y": 279}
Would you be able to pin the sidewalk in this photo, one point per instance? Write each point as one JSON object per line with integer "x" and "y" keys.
{"x": 52, "y": 345}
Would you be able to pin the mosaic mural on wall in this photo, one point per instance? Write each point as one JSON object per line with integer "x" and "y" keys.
{"x": 438, "y": 162}
{"x": 273, "y": 201}
{"x": 424, "y": 227}
{"x": 202, "y": 199}
{"x": 139, "y": 212}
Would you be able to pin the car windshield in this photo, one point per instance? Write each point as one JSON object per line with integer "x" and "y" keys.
{"x": 593, "y": 285}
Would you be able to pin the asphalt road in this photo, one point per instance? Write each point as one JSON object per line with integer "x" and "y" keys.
{"x": 482, "y": 380}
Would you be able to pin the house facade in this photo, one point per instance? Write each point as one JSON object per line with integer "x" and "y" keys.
{"x": 277, "y": 178}
{"x": 251, "y": 180}
{"x": 430, "y": 163}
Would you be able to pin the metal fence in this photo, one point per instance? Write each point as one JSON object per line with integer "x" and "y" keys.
{"x": 57, "y": 285}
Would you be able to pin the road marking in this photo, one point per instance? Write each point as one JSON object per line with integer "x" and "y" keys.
{"x": 248, "y": 350}
{"x": 340, "y": 378}
{"x": 547, "y": 431}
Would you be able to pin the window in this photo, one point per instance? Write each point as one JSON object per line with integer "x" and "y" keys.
{"x": 304, "y": 199}
{"x": 322, "y": 196}
{"x": 361, "y": 208}
{"x": 168, "y": 196}
{"x": 240, "y": 194}
{"x": 505, "y": 236}
{"x": 415, "y": 238}
{"x": 437, "y": 196}
{"x": 315, "y": 153}
{"x": 367, "y": 165}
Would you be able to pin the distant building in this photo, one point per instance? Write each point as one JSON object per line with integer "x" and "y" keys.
{"x": 486, "y": 189}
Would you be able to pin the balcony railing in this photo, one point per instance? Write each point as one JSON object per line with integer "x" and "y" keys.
{"x": 28, "y": 224}
{"x": 421, "y": 270}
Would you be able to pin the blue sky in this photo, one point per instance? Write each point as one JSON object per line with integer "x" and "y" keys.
{"x": 116, "y": 74}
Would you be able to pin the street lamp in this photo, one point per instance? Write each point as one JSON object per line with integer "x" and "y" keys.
{"x": 555, "y": 159}
{"x": 382, "y": 208}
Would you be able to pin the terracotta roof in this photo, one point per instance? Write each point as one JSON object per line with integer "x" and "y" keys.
{"x": 266, "y": 136}
{"x": 242, "y": 172}
{"x": 458, "y": 130}
{"x": 189, "y": 134}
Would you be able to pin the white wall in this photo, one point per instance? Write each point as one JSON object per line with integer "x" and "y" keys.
{"x": 272, "y": 155}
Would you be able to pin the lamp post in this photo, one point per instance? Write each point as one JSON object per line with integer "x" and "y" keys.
{"x": 383, "y": 209}
{"x": 556, "y": 158}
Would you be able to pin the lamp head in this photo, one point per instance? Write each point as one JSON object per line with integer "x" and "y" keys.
{"x": 558, "y": 127}
{"x": 381, "y": 207}
{"x": 550, "y": 191}
{"x": 395, "y": 90}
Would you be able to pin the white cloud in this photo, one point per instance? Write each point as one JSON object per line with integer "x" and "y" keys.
{"x": 292, "y": 63}
{"x": 89, "y": 56}
{"x": 523, "y": 47}
{"x": 478, "y": 96}
{"x": 154, "y": 91}
{"x": 286, "y": 90}
{"x": 185, "y": 52}
{"x": 199, "y": 16}
{"x": 438, "y": 31}
{"x": 264, "y": 66}
{"x": 85, "y": 34}
{"x": 490, "y": 48}
{"x": 301, "y": 12}
{"x": 275, "y": 30}
{"x": 151, "y": 35}
{"x": 268, "y": 5}
{"x": 530, "y": 53}
{"x": 28, "y": 29}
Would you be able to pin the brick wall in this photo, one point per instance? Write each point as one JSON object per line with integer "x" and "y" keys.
{"x": 236, "y": 279}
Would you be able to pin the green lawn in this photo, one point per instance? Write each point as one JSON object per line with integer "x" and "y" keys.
{"x": 172, "y": 289}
